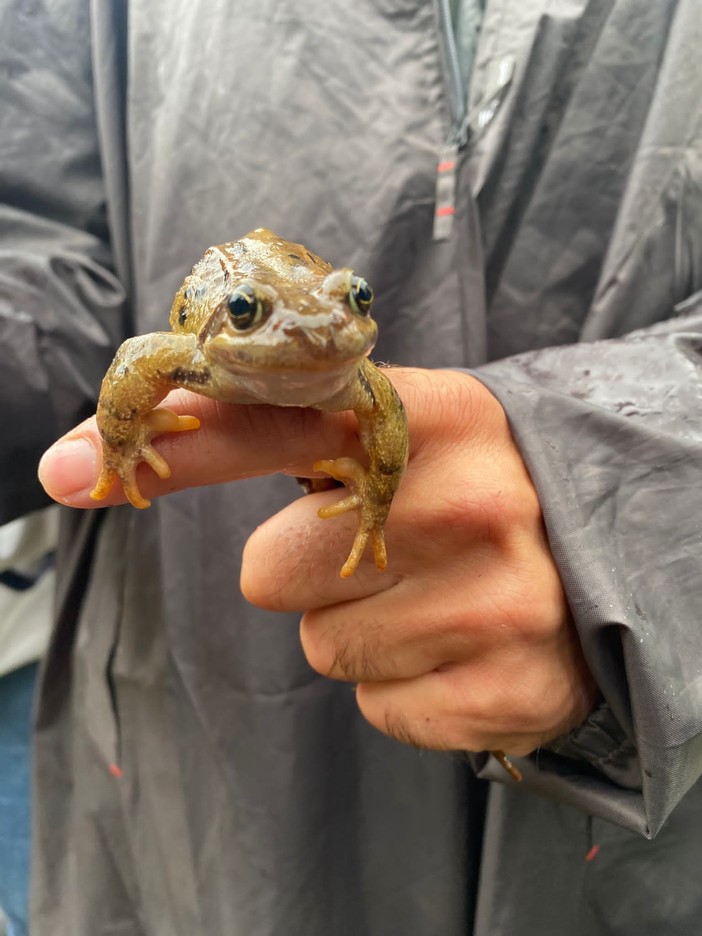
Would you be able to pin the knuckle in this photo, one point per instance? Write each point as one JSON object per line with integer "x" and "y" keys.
{"x": 315, "y": 645}
{"x": 343, "y": 651}
{"x": 424, "y": 732}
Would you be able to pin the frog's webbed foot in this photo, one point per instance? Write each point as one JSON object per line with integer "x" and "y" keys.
{"x": 121, "y": 459}
{"x": 372, "y": 512}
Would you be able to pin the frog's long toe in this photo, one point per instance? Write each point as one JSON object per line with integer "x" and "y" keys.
{"x": 352, "y": 502}
{"x": 343, "y": 469}
{"x": 131, "y": 489}
{"x": 379, "y": 551}
{"x": 357, "y": 550}
{"x": 104, "y": 484}
{"x": 162, "y": 419}
{"x": 156, "y": 461}
{"x": 157, "y": 422}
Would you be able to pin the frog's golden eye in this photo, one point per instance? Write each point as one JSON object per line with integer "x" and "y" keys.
{"x": 245, "y": 308}
{"x": 360, "y": 295}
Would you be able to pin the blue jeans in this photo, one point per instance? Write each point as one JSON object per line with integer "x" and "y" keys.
{"x": 16, "y": 699}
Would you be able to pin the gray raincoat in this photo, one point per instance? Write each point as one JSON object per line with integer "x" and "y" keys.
{"x": 193, "y": 776}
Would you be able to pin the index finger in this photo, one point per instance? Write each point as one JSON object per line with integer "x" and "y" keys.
{"x": 238, "y": 441}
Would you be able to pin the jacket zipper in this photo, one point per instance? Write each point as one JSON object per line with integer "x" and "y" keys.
{"x": 457, "y": 93}
{"x": 445, "y": 192}
{"x": 466, "y": 126}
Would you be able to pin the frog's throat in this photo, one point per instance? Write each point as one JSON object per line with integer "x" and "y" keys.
{"x": 288, "y": 387}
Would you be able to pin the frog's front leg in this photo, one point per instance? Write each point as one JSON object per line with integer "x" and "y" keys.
{"x": 383, "y": 433}
{"x": 145, "y": 368}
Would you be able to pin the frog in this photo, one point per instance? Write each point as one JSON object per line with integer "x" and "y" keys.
{"x": 263, "y": 320}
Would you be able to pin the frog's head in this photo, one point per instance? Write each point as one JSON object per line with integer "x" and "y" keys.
{"x": 265, "y": 305}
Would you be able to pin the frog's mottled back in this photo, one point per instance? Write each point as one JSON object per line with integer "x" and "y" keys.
{"x": 287, "y": 267}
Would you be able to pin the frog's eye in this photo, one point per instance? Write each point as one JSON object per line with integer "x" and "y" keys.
{"x": 245, "y": 308}
{"x": 360, "y": 295}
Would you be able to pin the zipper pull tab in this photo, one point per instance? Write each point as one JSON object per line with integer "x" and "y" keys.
{"x": 471, "y": 128}
{"x": 445, "y": 194}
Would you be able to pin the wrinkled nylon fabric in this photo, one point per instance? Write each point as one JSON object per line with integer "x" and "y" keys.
{"x": 192, "y": 775}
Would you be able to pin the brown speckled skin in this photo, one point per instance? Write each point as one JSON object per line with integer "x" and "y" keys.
{"x": 307, "y": 347}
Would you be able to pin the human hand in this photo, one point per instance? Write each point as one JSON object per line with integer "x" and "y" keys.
{"x": 465, "y": 642}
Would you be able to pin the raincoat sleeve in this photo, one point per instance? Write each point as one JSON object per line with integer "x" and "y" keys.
{"x": 611, "y": 432}
{"x": 61, "y": 307}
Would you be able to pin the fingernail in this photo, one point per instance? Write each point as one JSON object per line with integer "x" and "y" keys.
{"x": 68, "y": 468}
